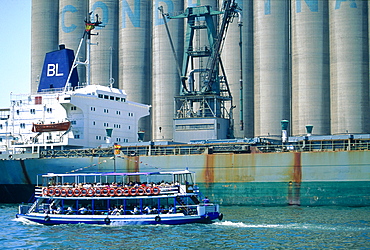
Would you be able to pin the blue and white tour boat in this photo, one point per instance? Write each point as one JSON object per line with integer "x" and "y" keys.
{"x": 119, "y": 199}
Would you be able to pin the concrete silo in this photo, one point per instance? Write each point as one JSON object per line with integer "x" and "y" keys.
{"x": 310, "y": 66}
{"x": 349, "y": 66}
{"x": 135, "y": 54}
{"x": 241, "y": 81}
{"x": 44, "y": 36}
{"x": 72, "y": 14}
{"x": 104, "y": 51}
{"x": 271, "y": 66}
{"x": 165, "y": 76}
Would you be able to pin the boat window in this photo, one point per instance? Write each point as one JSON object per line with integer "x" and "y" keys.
{"x": 117, "y": 98}
{"x": 100, "y": 96}
{"x": 1, "y": 126}
{"x": 106, "y": 97}
{"x": 112, "y": 98}
{"x": 17, "y": 111}
{"x": 73, "y": 108}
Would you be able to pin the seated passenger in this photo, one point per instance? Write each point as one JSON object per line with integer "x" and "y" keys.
{"x": 136, "y": 210}
{"x": 206, "y": 200}
{"x": 115, "y": 210}
{"x": 147, "y": 210}
{"x": 82, "y": 210}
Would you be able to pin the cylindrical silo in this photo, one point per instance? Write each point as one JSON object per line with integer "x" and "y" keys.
{"x": 240, "y": 77}
{"x": 72, "y": 14}
{"x": 165, "y": 77}
{"x": 104, "y": 51}
{"x": 44, "y": 36}
{"x": 135, "y": 54}
{"x": 349, "y": 66}
{"x": 271, "y": 66}
{"x": 310, "y": 66}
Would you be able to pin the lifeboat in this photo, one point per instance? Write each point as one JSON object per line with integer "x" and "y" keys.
{"x": 61, "y": 126}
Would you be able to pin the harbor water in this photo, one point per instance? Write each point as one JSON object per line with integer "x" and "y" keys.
{"x": 243, "y": 227}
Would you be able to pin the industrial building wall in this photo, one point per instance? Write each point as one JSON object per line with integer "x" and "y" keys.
{"x": 271, "y": 66}
{"x": 349, "y": 66}
{"x": 240, "y": 77}
{"x": 165, "y": 76}
{"x": 135, "y": 54}
{"x": 44, "y": 36}
{"x": 104, "y": 51}
{"x": 310, "y": 67}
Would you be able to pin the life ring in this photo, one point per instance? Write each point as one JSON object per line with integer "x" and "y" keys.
{"x": 126, "y": 191}
{"x": 133, "y": 191}
{"x": 90, "y": 192}
{"x": 76, "y": 192}
{"x": 148, "y": 190}
{"x": 111, "y": 192}
{"x": 97, "y": 191}
{"x": 220, "y": 216}
{"x": 45, "y": 191}
{"x": 107, "y": 221}
{"x": 47, "y": 218}
{"x": 104, "y": 192}
{"x": 69, "y": 192}
{"x": 157, "y": 218}
{"x": 83, "y": 191}
{"x": 119, "y": 192}
{"x": 57, "y": 192}
{"x": 63, "y": 192}
{"x": 51, "y": 191}
{"x": 156, "y": 190}
{"x": 141, "y": 191}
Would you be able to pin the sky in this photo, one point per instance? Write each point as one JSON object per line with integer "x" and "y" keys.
{"x": 15, "y": 49}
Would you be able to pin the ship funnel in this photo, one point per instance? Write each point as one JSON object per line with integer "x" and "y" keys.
{"x": 284, "y": 130}
{"x": 309, "y": 129}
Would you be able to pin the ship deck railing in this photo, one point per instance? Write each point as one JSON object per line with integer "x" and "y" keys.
{"x": 212, "y": 148}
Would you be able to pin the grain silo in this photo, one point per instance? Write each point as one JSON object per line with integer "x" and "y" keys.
{"x": 349, "y": 66}
{"x": 165, "y": 76}
{"x": 310, "y": 66}
{"x": 44, "y": 36}
{"x": 271, "y": 66}
{"x": 104, "y": 51}
{"x": 241, "y": 78}
{"x": 72, "y": 14}
{"x": 135, "y": 54}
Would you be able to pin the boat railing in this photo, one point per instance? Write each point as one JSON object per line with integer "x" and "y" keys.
{"x": 104, "y": 191}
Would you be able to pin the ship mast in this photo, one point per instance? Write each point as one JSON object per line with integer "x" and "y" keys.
{"x": 89, "y": 26}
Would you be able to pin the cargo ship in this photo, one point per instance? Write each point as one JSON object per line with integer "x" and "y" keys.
{"x": 103, "y": 136}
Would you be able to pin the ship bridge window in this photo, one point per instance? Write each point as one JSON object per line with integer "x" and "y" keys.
{"x": 100, "y": 96}
{"x": 111, "y": 97}
{"x": 106, "y": 97}
{"x": 118, "y": 99}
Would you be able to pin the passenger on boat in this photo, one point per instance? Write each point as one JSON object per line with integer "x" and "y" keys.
{"x": 147, "y": 210}
{"x": 115, "y": 211}
{"x": 136, "y": 210}
{"x": 70, "y": 210}
{"x": 82, "y": 210}
{"x": 205, "y": 200}
{"x": 121, "y": 211}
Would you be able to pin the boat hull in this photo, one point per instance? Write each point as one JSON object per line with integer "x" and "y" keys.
{"x": 165, "y": 219}
{"x": 286, "y": 178}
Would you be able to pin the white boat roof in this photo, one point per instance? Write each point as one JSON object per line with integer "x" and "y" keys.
{"x": 49, "y": 175}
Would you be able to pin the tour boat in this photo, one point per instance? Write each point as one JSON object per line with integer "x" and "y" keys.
{"x": 138, "y": 198}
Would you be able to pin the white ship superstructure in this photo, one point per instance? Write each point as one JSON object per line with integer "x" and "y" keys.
{"x": 93, "y": 111}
